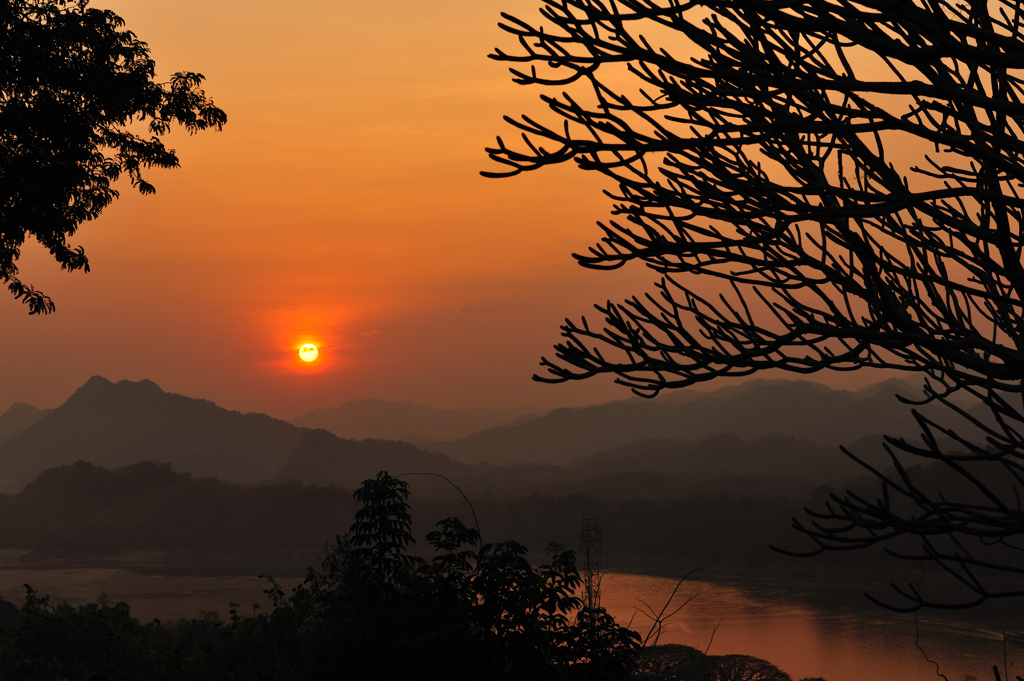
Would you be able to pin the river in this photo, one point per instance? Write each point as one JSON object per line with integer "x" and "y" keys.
{"x": 847, "y": 640}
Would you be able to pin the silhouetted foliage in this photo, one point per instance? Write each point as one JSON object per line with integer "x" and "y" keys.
{"x": 370, "y": 610}
{"x": 381, "y": 532}
{"x": 820, "y": 185}
{"x": 471, "y": 612}
{"x": 49, "y": 641}
{"x": 73, "y": 82}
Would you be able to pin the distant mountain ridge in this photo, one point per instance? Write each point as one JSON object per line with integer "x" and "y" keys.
{"x": 800, "y": 409}
{"x": 385, "y": 420}
{"x": 117, "y": 424}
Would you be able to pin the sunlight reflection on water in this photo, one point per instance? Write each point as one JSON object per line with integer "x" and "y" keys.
{"x": 854, "y": 642}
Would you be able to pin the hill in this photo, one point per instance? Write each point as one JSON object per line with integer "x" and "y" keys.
{"x": 798, "y": 409}
{"x": 116, "y": 424}
{"x": 383, "y": 420}
{"x": 83, "y": 514}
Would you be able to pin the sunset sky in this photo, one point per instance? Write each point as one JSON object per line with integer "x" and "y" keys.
{"x": 342, "y": 205}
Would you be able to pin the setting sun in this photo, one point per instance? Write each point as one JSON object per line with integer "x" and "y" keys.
{"x": 308, "y": 352}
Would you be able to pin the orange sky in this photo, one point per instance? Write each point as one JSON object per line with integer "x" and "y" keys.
{"x": 341, "y": 205}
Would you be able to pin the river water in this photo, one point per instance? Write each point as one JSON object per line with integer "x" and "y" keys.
{"x": 849, "y": 639}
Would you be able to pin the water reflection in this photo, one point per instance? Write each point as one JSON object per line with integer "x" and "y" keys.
{"x": 847, "y": 640}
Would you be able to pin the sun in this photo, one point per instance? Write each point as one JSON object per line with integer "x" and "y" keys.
{"x": 308, "y": 352}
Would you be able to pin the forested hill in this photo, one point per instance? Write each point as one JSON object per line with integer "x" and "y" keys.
{"x": 115, "y": 424}
{"x": 147, "y": 516}
{"x": 80, "y": 514}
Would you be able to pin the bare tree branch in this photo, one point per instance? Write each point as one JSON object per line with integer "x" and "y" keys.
{"x": 852, "y": 173}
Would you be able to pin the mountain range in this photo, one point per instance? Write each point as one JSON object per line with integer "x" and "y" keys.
{"x": 758, "y": 439}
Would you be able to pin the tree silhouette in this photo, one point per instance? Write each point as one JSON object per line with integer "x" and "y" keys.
{"x": 72, "y": 83}
{"x": 473, "y": 611}
{"x": 819, "y": 185}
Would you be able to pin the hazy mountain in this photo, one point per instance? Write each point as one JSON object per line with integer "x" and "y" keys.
{"x": 19, "y": 417}
{"x": 383, "y": 420}
{"x": 799, "y": 409}
{"x": 723, "y": 454}
{"x": 112, "y": 424}
{"x": 322, "y": 458}
{"x": 782, "y": 438}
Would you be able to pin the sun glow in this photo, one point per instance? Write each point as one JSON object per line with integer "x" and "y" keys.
{"x": 308, "y": 352}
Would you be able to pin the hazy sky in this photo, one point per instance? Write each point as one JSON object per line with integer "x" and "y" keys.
{"x": 341, "y": 205}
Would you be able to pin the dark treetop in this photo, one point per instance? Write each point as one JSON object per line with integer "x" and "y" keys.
{"x": 78, "y": 108}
